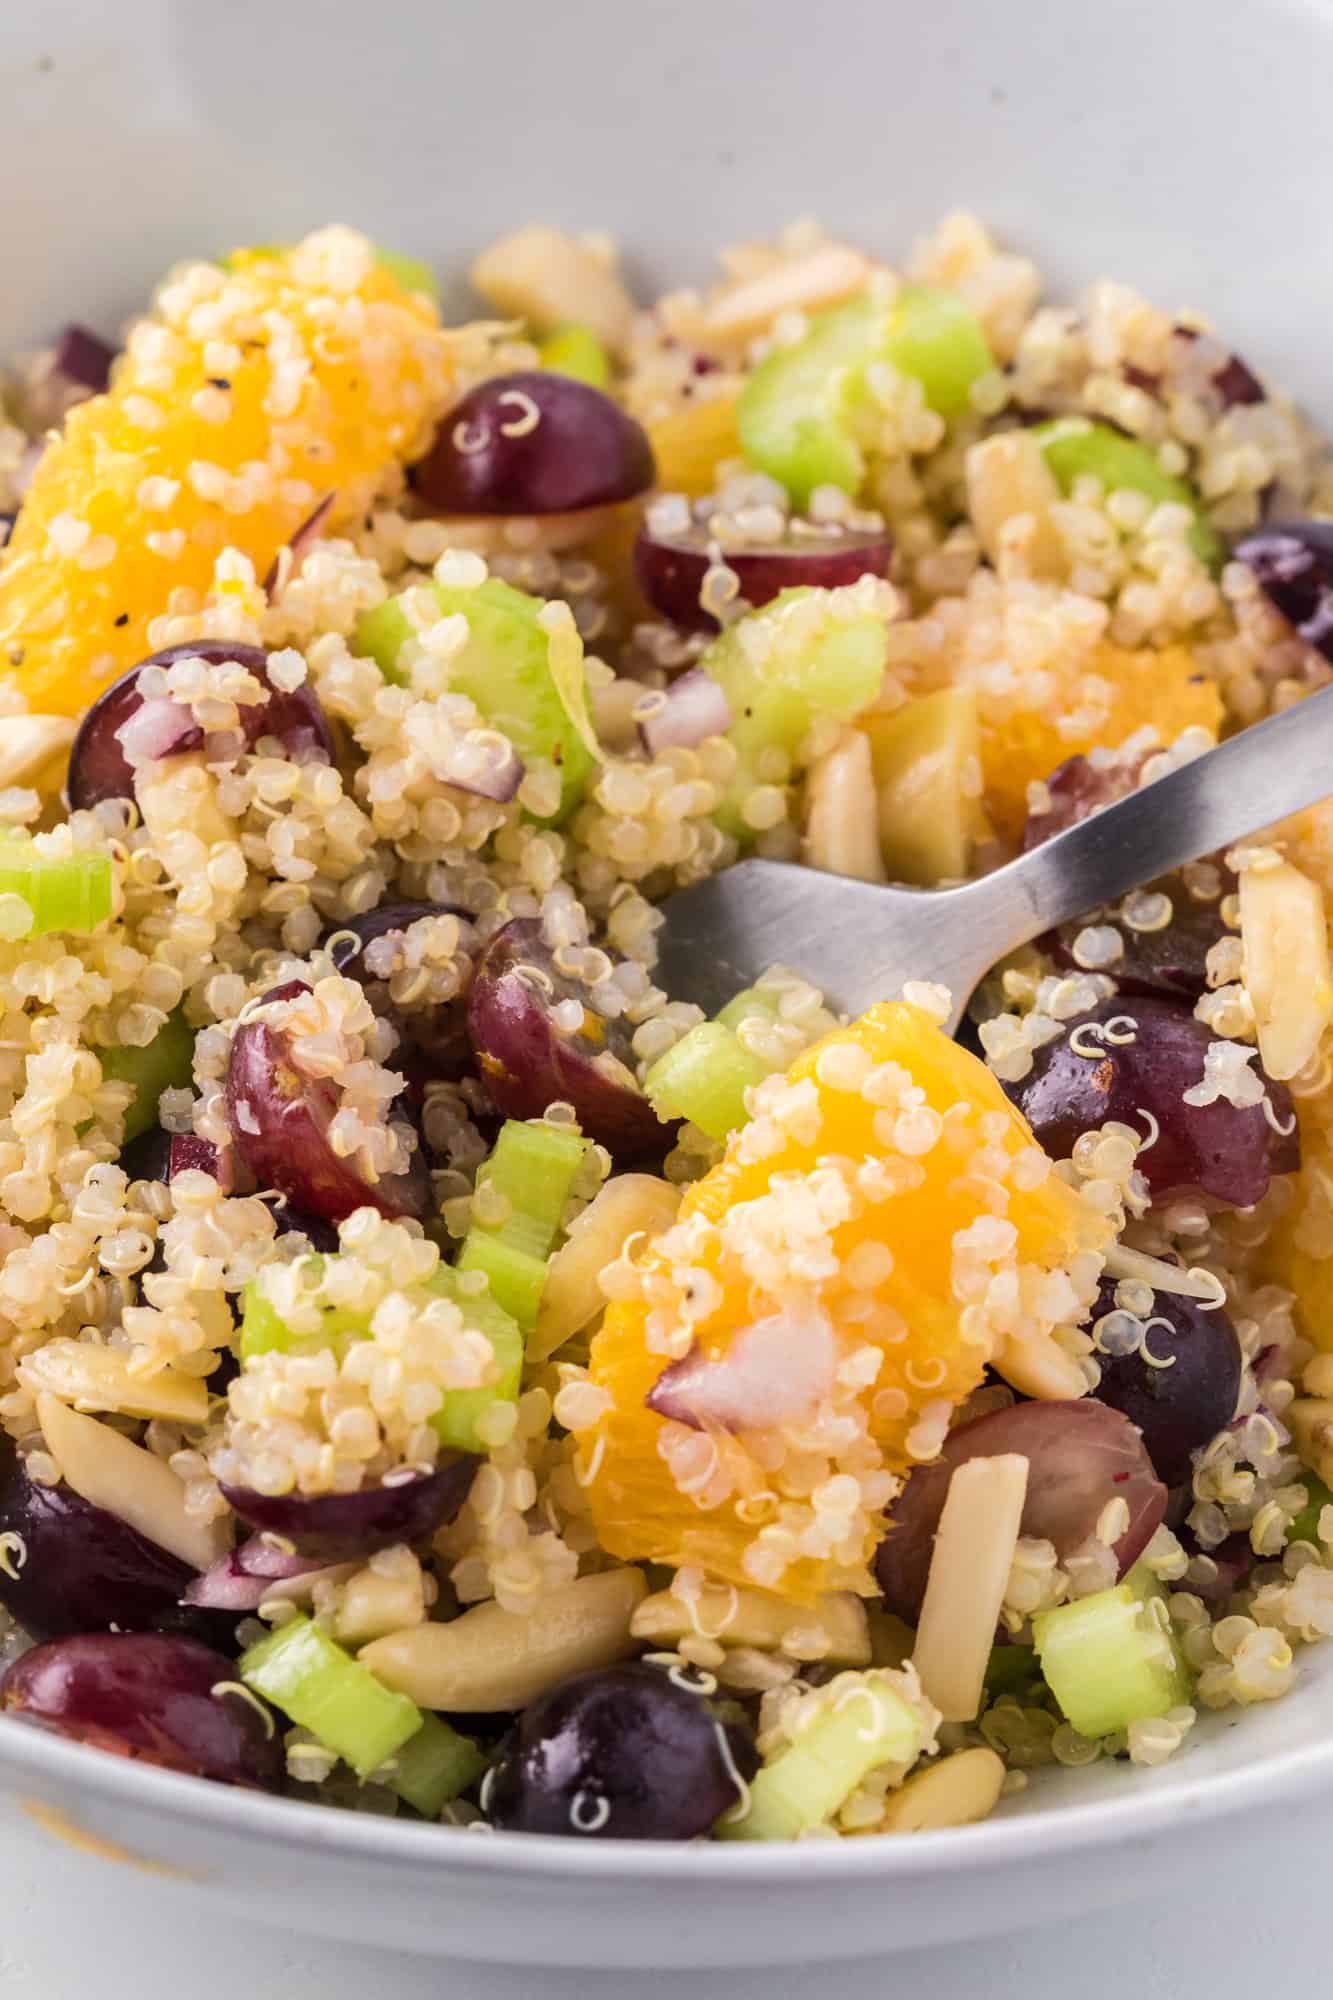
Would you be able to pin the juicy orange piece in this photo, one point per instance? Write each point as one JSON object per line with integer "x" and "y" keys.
{"x": 1073, "y": 705}
{"x": 692, "y": 443}
{"x": 248, "y": 396}
{"x": 888, "y": 1184}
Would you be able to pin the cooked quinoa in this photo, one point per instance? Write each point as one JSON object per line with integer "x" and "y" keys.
{"x": 452, "y": 1331}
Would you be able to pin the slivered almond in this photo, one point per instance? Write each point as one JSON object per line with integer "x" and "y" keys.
{"x": 99, "y": 1378}
{"x": 110, "y": 1471}
{"x": 1284, "y": 936}
{"x": 29, "y": 743}
{"x": 496, "y": 1659}
{"x": 752, "y": 1618}
{"x": 573, "y": 1295}
{"x": 541, "y": 275}
{"x": 955, "y": 1791}
{"x": 974, "y": 1548}
{"x": 823, "y": 277}
{"x": 1040, "y": 1368}
{"x": 1011, "y": 491}
{"x": 842, "y": 812}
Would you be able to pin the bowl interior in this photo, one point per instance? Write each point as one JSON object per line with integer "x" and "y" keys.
{"x": 1172, "y": 148}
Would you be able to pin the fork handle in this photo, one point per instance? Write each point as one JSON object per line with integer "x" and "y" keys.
{"x": 1268, "y": 771}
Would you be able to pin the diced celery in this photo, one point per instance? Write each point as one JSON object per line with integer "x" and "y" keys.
{"x": 575, "y": 350}
{"x": 1074, "y": 449}
{"x": 323, "y": 1689}
{"x": 262, "y": 1330}
{"x": 504, "y": 669}
{"x": 1112, "y": 1659}
{"x": 517, "y": 1279}
{"x": 434, "y": 1766}
{"x": 166, "y": 1063}
{"x": 754, "y": 1000}
{"x": 71, "y": 894}
{"x": 704, "y": 1078}
{"x": 868, "y": 1724}
{"x": 455, "y": 1423}
{"x": 1305, "y": 1528}
{"x": 806, "y": 411}
{"x": 779, "y": 673}
{"x": 412, "y": 273}
{"x": 533, "y": 1166}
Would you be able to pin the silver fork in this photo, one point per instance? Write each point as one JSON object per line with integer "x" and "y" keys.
{"x": 860, "y": 942}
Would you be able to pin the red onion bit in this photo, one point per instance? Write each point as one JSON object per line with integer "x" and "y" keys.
{"x": 692, "y": 709}
{"x": 775, "y": 1373}
{"x": 301, "y": 539}
{"x": 483, "y": 763}
{"x": 243, "y": 1579}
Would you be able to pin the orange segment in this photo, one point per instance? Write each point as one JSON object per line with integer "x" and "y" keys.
{"x": 888, "y": 1182}
{"x": 1076, "y": 703}
{"x": 692, "y": 443}
{"x": 248, "y": 396}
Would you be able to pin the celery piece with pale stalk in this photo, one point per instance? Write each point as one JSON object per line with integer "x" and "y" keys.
{"x": 795, "y": 659}
{"x": 504, "y": 667}
{"x": 755, "y": 1000}
{"x": 532, "y": 1169}
{"x": 263, "y": 1331}
{"x": 412, "y": 273}
{"x": 1112, "y": 1659}
{"x": 458, "y": 1421}
{"x": 807, "y": 411}
{"x": 866, "y": 1723}
{"x": 704, "y": 1078}
{"x": 434, "y": 1766}
{"x": 575, "y": 350}
{"x": 165, "y": 1063}
{"x": 71, "y": 893}
{"x": 1075, "y": 448}
{"x": 323, "y": 1689}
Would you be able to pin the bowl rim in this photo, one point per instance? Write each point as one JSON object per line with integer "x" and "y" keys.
{"x": 1293, "y": 1775}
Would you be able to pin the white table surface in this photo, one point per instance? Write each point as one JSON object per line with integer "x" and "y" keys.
{"x": 72, "y": 1928}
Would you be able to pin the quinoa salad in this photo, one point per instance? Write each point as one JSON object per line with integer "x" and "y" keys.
{"x": 443, "y": 1374}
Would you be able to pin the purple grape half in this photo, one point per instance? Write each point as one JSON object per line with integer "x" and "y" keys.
{"x": 671, "y": 568}
{"x": 528, "y": 1062}
{"x": 626, "y": 1753}
{"x": 1186, "y": 1392}
{"x": 149, "y": 1695}
{"x": 534, "y": 443}
{"x": 1292, "y": 563}
{"x": 338, "y": 1526}
{"x": 99, "y": 766}
{"x": 77, "y": 1567}
{"x": 1132, "y": 1059}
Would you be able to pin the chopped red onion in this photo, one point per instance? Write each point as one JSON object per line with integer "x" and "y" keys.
{"x": 485, "y": 764}
{"x": 301, "y": 539}
{"x": 775, "y": 1373}
{"x": 241, "y": 1580}
{"x": 85, "y": 358}
{"x": 156, "y": 728}
{"x": 693, "y": 709}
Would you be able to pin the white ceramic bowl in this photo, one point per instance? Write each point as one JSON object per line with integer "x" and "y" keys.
{"x": 1182, "y": 148}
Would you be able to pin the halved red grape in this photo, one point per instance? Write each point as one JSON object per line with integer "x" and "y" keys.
{"x": 1293, "y": 566}
{"x": 1081, "y": 1455}
{"x": 336, "y": 1526}
{"x": 1133, "y": 1059}
{"x": 528, "y": 1060}
{"x": 280, "y": 1124}
{"x": 123, "y": 730}
{"x": 433, "y": 1043}
{"x": 149, "y": 1695}
{"x": 1177, "y": 1380}
{"x": 534, "y": 443}
{"x": 77, "y": 1567}
{"x": 624, "y": 1753}
{"x": 84, "y": 357}
{"x": 671, "y": 568}
{"x": 1074, "y": 790}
